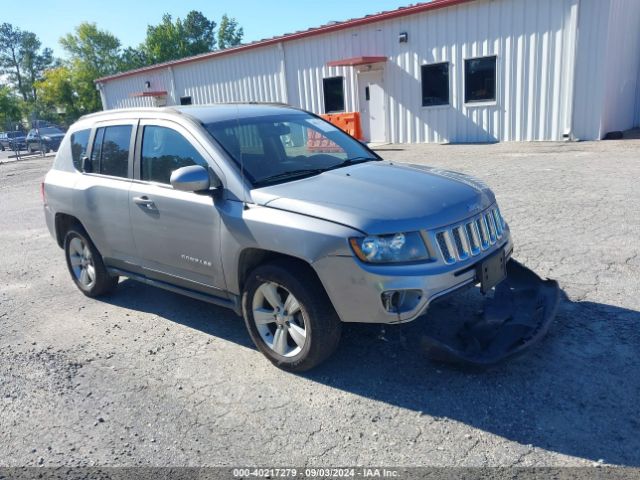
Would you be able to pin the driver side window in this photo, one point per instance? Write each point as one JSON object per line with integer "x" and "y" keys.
{"x": 165, "y": 150}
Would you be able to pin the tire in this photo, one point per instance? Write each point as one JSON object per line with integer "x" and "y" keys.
{"x": 312, "y": 314}
{"x": 85, "y": 264}
{"x": 29, "y": 149}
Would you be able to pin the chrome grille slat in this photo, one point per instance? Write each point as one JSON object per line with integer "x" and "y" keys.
{"x": 450, "y": 246}
{"x": 447, "y": 253}
{"x": 472, "y": 235}
{"x": 499, "y": 226}
{"x": 461, "y": 249}
{"x": 461, "y": 241}
{"x": 465, "y": 240}
{"x": 484, "y": 234}
{"x": 492, "y": 227}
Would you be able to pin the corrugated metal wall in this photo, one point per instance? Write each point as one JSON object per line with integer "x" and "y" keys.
{"x": 608, "y": 62}
{"x": 534, "y": 42}
{"x": 622, "y": 67}
{"x": 590, "y": 76}
{"x": 245, "y": 76}
{"x": 119, "y": 92}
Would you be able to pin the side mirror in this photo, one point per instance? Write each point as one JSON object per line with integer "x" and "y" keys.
{"x": 86, "y": 165}
{"x": 194, "y": 178}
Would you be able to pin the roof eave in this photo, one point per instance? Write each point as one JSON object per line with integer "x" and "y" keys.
{"x": 401, "y": 12}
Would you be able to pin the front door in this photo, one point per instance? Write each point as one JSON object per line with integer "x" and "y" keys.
{"x": 372, "y": 111}
{"x": 177, "y": 234}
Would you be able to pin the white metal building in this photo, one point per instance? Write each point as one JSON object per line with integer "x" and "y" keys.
{"x": 443, "y": 71}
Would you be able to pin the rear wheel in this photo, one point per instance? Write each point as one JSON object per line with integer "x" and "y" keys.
{"x": 86, "y": 266}
{"x": 289, "y": 316}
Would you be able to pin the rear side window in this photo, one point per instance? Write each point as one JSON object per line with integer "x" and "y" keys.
{"x": 110, "y": 155}
{"x": 165, "y": 150}
{"x": 79, "y": 144}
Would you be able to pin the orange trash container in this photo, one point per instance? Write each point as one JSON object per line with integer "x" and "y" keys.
{"x": 349, "y": 122}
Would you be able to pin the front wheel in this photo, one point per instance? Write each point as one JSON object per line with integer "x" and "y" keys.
{"x": 86, "y": 266}
{"x": 289, "y": 316}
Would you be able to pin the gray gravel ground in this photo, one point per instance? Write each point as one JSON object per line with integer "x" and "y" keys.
{"x": 146, "y": 377}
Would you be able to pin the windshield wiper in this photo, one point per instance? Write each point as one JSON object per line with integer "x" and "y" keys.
{"x": 290, "y": 175}
{"x": 308, "y": 172}
{"x": 352, "y": 161}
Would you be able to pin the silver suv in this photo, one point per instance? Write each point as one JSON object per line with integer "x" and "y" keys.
{"x": 272, "y": 212}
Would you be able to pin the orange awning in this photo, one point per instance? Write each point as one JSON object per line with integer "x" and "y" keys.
{"x": 156, "y": 93}
{"x": 352, "y": 62}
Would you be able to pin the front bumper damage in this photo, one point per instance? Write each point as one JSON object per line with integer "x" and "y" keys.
{"x": 517, "y": 316}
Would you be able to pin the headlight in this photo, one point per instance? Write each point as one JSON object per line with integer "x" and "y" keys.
{"x": 395, "y": 248}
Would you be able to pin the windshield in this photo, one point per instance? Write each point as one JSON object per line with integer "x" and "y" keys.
{"x": 49, "y": 131}
{"x": 284, "y": 147}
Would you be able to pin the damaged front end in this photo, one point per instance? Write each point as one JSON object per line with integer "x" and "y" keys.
{"x": 514, "y": 318}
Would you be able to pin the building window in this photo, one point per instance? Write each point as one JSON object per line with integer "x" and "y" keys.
{"x": 480, "y": 80}
{"x": 185, "y": 100}
{"x": 333, "y": 94}
{"x": 435, "y": 84}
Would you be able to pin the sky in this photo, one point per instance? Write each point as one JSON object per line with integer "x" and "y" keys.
{"x": 128, "y": 19}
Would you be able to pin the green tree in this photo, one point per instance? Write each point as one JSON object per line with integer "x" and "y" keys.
{"x": 93, "y": 53}
{"x": 199, "y": 32}
{"x": 132, "y": 58}
{"x": 171, "y": 40}
{"x": 98, "y": 49}
{"x": 229, "y": 34}
{"x": 10, "y": 111}
{"x": 10, "y": 61}
{"x": 56, "y": 93}
{"x": 22, "y": 59}
{"x": 34, "y": 62}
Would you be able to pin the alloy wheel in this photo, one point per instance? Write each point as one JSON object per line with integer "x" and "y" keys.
{"x": 279, "y": 319}
{"x": 82, "y": 262}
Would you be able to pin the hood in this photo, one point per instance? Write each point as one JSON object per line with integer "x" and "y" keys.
{"x": 53, "y": 135}
{"x": 382, "y": 197}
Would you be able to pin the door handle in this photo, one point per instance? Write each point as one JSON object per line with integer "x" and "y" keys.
{"x": 145, "y": 202}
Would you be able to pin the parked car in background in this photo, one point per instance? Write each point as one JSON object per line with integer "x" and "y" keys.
{"x": 12, "y": 141}
{"x": 44, "y": 139}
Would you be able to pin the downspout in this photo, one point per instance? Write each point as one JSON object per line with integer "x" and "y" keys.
{"x": 570, "y": 134}
{"x": 103, "y": 95}
{"x": 173, "y": 86}
{"x": 283, "y": 73}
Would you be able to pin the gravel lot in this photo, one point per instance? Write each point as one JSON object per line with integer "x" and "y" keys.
{"x": 147, "y": 377}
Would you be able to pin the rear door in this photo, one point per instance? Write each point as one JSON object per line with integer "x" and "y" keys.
{"x": 177, "y": 234}
{"x": 104, "y": 191}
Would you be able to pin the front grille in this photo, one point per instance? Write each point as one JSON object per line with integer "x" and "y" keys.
{"x": 470, "y": 238}
{"x": 446, "y": 251}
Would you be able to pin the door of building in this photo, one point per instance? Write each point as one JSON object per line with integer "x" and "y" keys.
{"x": 372, "y": 109}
